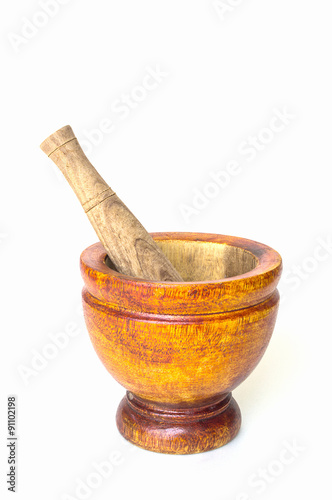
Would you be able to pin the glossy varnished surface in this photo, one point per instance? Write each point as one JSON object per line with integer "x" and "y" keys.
{"x": 215, "y": 294}
{"x": 182, "y": 346}
{"x": 193, "y": 430}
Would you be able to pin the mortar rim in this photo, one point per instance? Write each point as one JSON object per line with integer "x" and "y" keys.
{"x": 226, "y": 294}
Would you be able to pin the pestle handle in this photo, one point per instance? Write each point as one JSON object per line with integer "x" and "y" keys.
{"x": 63, "y": 148}
{"x": 129, "y": 246}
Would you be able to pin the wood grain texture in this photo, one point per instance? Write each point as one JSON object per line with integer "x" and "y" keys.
{"x": 127, "y": 243}
{"x": 181, "y": 348}
{"x": 181, "y": 432}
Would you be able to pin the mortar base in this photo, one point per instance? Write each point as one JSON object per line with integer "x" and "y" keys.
{"x": 184, "y": 431}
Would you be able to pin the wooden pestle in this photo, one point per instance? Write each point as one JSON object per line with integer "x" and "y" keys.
{"x": 129, "y": 246}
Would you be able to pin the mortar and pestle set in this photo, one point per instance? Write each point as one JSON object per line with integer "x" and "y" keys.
{"x": 178, "y": 319}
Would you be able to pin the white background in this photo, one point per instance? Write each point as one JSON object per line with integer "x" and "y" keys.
{"x": 226, "y": 76}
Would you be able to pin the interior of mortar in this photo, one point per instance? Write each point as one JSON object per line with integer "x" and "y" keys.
{"x": 204, "y": 261}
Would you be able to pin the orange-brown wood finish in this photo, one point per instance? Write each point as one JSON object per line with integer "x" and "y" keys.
{"x": 180, "y": 348}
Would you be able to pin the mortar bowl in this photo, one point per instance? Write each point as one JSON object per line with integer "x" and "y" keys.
{"x": 181, "y": 348}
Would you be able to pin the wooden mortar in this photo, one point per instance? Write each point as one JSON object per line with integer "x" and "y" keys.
{"x": 181, "y": 348}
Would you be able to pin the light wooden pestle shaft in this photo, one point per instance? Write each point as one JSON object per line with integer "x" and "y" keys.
{"x": 129, "y": 246}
